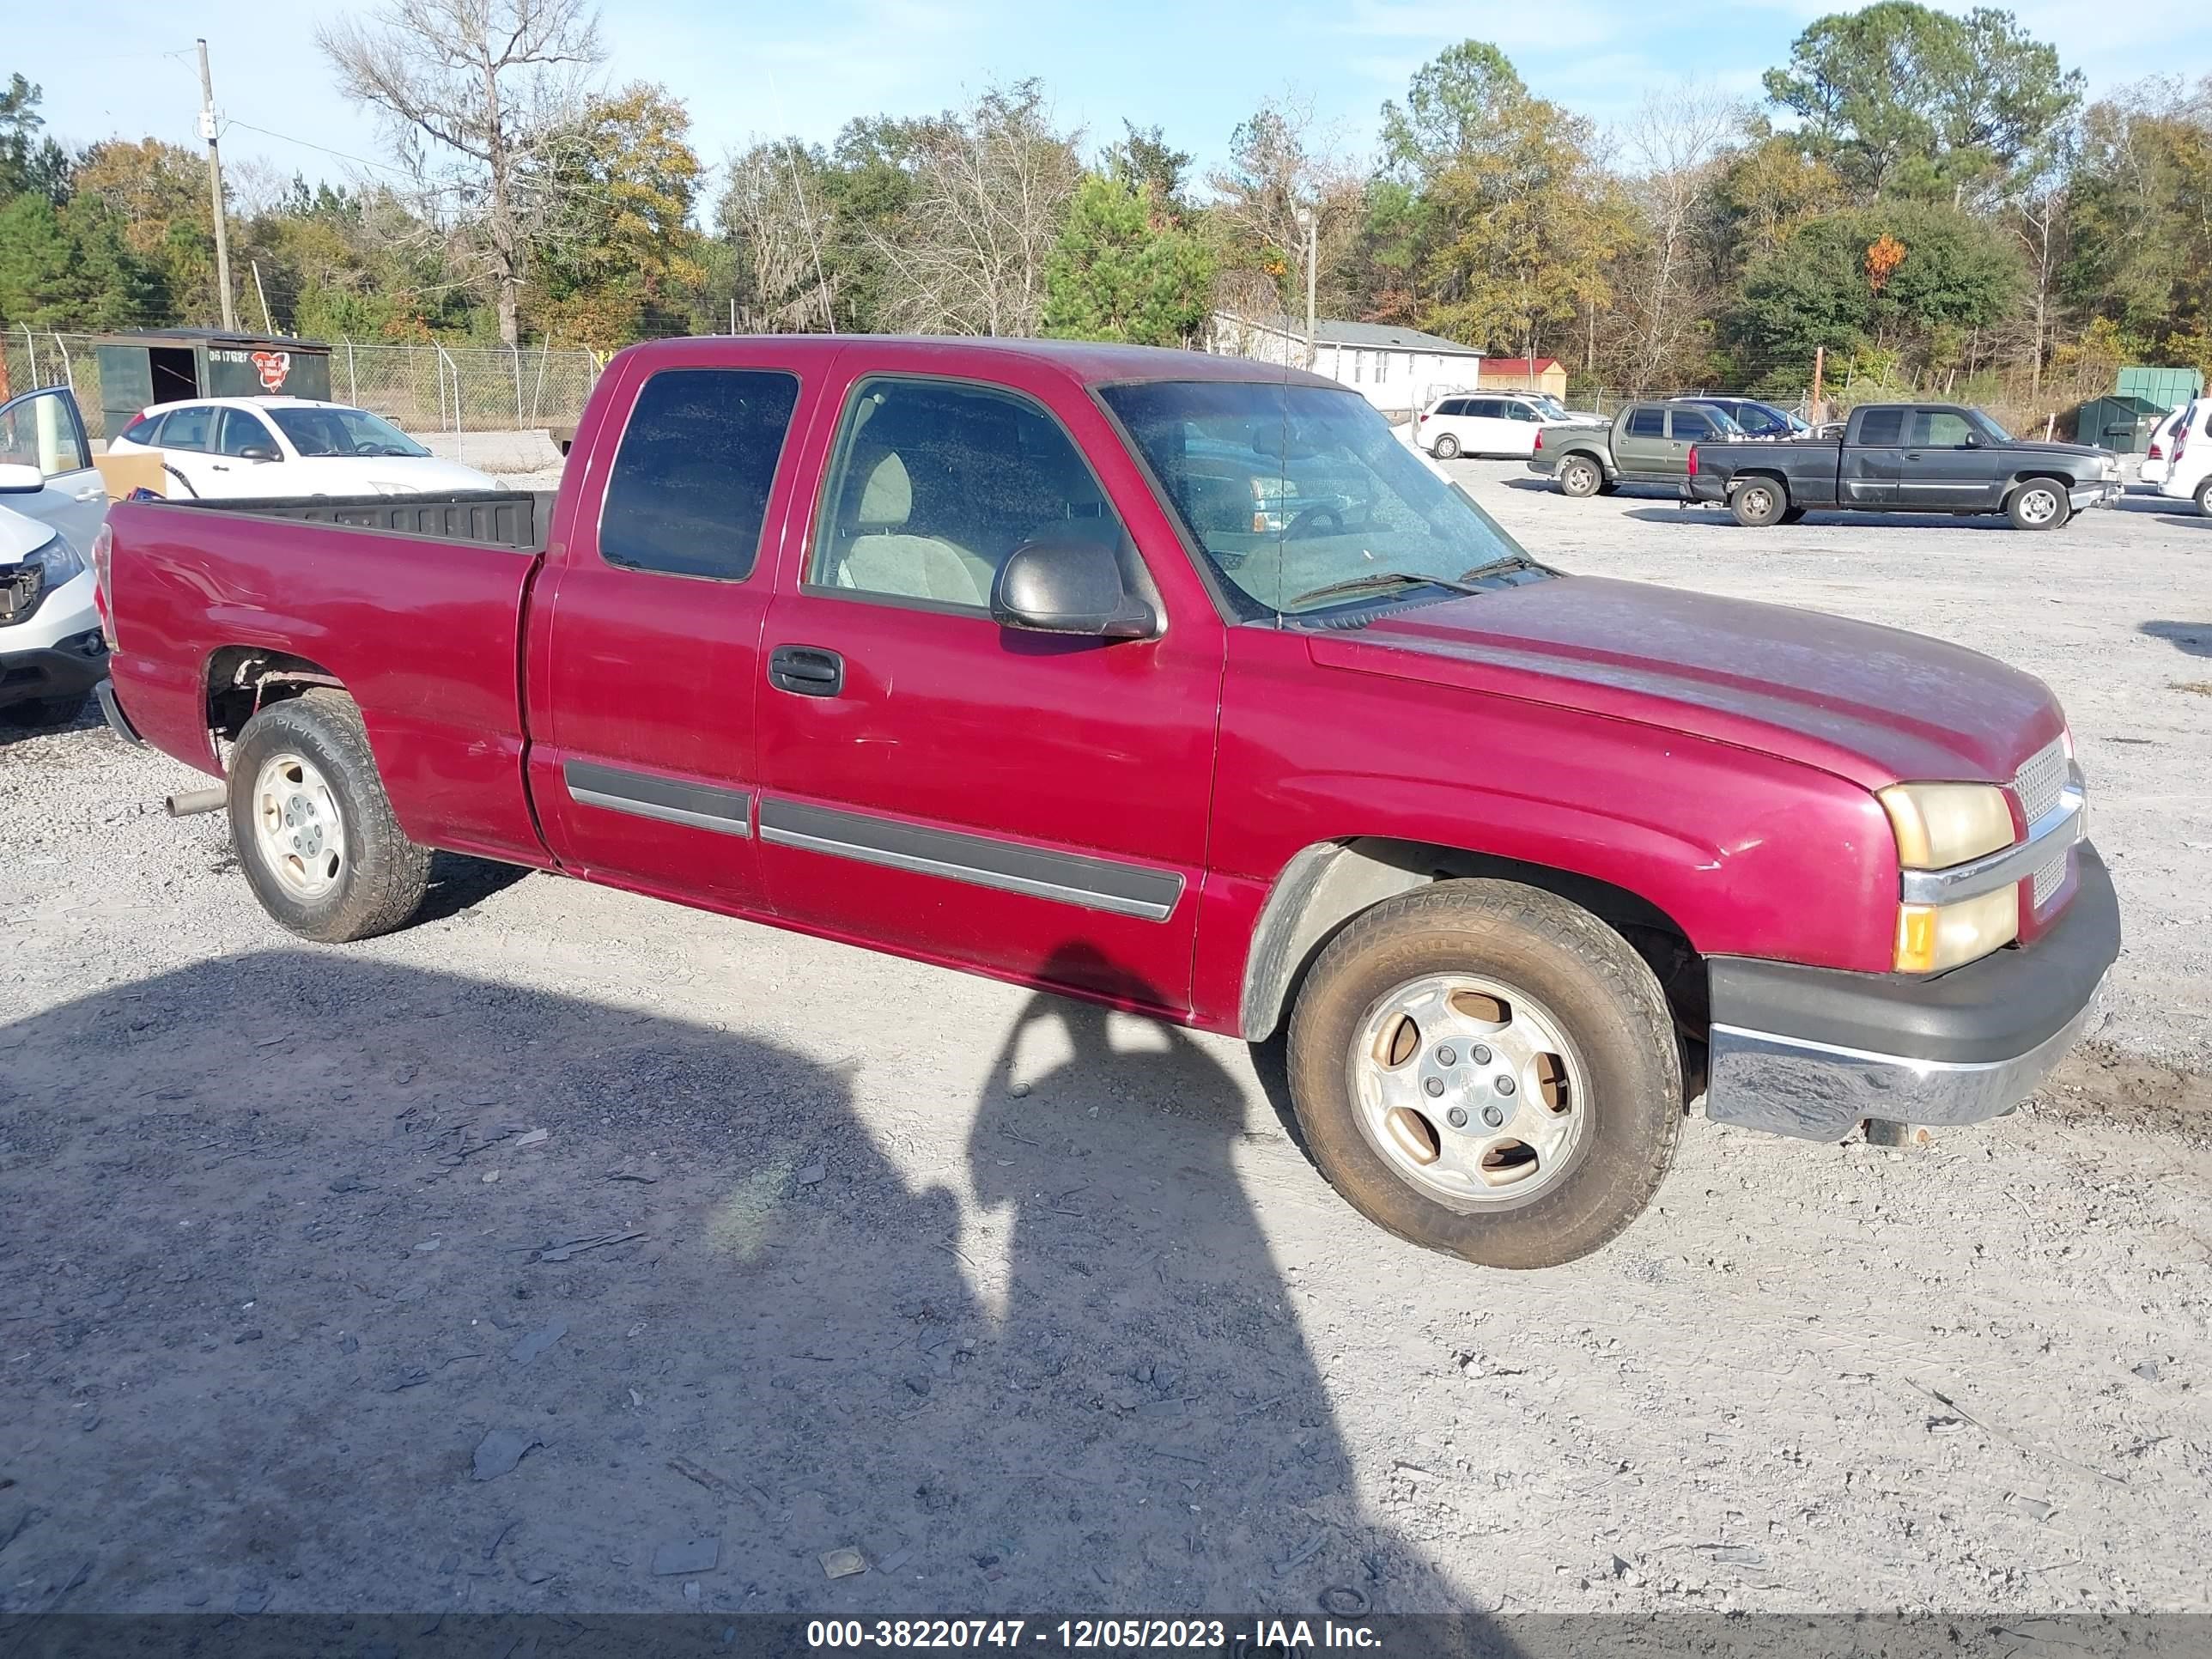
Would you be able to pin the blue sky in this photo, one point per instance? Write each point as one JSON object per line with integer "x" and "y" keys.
{"x": 1196, "y": 67}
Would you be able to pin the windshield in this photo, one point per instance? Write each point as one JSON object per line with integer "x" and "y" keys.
{"x": 1290, "y": 492}
{"x": 1988, "y": 429}
{"x": 316, "y": 432}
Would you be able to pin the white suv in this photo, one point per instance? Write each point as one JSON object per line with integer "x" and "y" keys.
{"x": 2188, "y": 467}
{"x": 1487, "y": 423}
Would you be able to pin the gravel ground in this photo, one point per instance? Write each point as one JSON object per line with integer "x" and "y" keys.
{"x": 1035, "y": 1307}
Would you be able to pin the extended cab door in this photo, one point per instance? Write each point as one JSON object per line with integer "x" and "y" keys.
{"x": 1866, "y": 465}
{"x": 1031, "y": 805}
{"x": 43, "y": 429}
{"x": 645, "y": 639}
{"x": 1942, "y": 466}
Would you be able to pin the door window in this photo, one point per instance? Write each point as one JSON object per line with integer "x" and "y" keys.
{"x": 1519, "y": 412}
{"x": 41, "y": 430}
{"x": 242, "y": 430}
{"x": 934, "y": 483}
{"x": 1881, "y": 427}
{"x": 689, "y": 493}
{"x": 1693, "y": 425}
{"x": 1938, "y": 428}
{"x": 1649, "y": 422}
{"x": 188, "y": 428}
{"x": 1486, "y": 407}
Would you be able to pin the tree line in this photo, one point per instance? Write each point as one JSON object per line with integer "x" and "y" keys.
{"x": 1930, "y": 198}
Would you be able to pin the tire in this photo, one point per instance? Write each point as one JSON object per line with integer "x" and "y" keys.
{"x": 2038, "y": 504}
{"x": 2205, "y": 498}
{"x": 1758, "y": 503}
{"x": 1580, "y": 475}
{"x": 1563, "y": 977}
{"x": 1446, "y": 448}
{"x": 300, "y": 764}
{"x": 1792, "y": 515}
{"x": 45, "y": 712}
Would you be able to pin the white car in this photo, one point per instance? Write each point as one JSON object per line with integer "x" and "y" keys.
{"x": 2159, "y": 455}
{"x": 51, "y": 505}
{"x": 217, "y": 447}
{"x": 1487, "y": 423}
{"x": 2188, "y": 467}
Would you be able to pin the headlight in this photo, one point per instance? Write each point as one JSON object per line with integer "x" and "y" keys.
{"x": 1938, "y": 825}
{"x": 1941, "y": 824}
{"x": 58, "y": 560}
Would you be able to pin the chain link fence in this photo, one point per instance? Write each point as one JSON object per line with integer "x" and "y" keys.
{"x": 421, "y": 389}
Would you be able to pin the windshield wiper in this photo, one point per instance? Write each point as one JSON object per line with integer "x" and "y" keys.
{"x": 1379, "y": 580}
{"x": 1496, "y": 566}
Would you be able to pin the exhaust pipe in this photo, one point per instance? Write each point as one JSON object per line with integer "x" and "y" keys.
{"x": 210, "y": 799}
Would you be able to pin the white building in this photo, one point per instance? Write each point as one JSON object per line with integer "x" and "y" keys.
{"x": 1396, "y": 369}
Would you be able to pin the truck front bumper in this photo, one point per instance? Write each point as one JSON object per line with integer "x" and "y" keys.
{"x": 2103, "y": 493}
{"x": 1812, "y": 1051}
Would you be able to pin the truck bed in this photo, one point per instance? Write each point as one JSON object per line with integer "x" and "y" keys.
{"x": 490, "y": 518}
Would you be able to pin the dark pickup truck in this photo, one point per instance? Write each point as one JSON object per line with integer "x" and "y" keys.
{"x": 1177, "y": 682}
{"x": 1905, "y": 457}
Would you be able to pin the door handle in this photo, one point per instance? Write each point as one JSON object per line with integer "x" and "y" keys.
{"x": 806, "y": 670}
{"x": 97, "y": 492}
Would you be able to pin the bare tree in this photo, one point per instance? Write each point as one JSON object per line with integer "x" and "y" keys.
{"x": 992, "y": 185}
{"x": 475, "y": 93}
{"x": 1671, "y": 148}
{"x": 1281, "y": 161}
{"x": 771, "y": 215}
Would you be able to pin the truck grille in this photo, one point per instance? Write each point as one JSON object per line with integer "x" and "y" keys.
{"x": 2041, "y": 776}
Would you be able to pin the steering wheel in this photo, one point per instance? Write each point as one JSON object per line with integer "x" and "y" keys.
{"x": 1303, "y": 525}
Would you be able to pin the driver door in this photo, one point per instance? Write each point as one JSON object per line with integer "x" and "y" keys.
{"x": 1029, "y": 804}
{"x": 42, "y": 429}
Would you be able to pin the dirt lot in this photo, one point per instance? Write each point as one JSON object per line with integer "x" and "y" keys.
{"x": 1036, "y": 1308}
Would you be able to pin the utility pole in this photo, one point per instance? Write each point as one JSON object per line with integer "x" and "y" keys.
{"x": 1309, "y": 222}
{"x": 214, "y": 190}
{"x": 1819, "y": 367}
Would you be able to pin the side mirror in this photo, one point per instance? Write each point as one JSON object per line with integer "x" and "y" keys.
{"x": 257, "y": 452}
{"x": 1974, "y": 439}
{"x": 21, "y": 479}
{"x": 1069, "y": 588}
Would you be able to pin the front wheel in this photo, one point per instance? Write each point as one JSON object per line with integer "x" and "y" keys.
{"x": 2038, "y": 504}
{"x": 1580, "y": 475}
{"x": 1757, "y": 503}
{"x": 2205, "y": 498}
{"x": 313, "y": 829}
{"x": 1489, "y": 1071}
{"x": 44, "y": 711}
{"x": 1447, "y": 448}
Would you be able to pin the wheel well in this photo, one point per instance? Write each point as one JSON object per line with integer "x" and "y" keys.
{"x": 1746, "y": 473}
{"x": 1328, "y": 883}
{"x": 2059, "y": 478}
{"x": 243, "y": 679}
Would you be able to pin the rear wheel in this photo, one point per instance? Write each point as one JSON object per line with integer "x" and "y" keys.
{"x": 1757, "y": 503}
{"x": 1580, "y": 475}
{"x": 312, "y": 827}
{"x": 2205, "y": 498}
{"x": 2038, "y": 504}
{"x": 1446, "y": 447}
{"x": 1488, "y": 1071}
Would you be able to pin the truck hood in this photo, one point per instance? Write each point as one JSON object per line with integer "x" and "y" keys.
{"x": 421, "y": 475}
{"x": 2039, "y": 446}
{"x": 1876, "y": 704}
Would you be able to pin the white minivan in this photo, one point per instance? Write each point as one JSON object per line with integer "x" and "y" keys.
{"x": 2189, "y": 463}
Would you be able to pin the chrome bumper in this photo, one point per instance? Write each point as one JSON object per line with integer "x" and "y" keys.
{"x": 1811, "y": 1051}
{"x": 2096, "y": 494}
{"x": 1764, "y": 1080}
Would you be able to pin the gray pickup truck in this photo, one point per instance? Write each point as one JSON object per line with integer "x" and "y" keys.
{"x": 1646, "y": 443}
{"x": 1904, "y": 458}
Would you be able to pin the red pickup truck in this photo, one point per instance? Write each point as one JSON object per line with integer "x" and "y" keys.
{"x": 1177, "y": 682}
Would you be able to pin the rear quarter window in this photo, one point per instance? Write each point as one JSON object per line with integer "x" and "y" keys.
{"x": 689, "y": 493}
{"x": 1647, "y": 424}
{"x": 1881, "y": 428}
